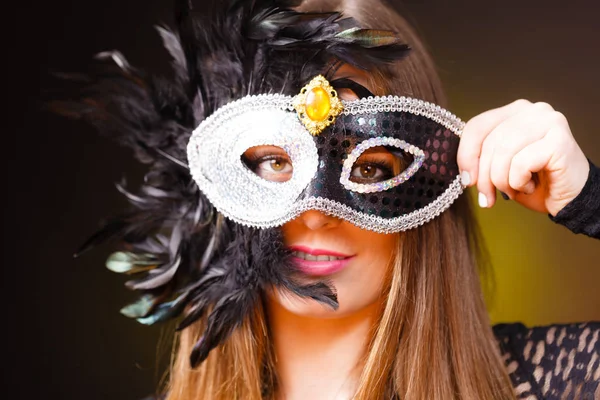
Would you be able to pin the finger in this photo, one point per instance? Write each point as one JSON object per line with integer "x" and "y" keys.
{"x": 474, "y": 134}
{"x": 514, "y": 134}
{"x": 487, "y": 191}
{"x": 528, "y": 161}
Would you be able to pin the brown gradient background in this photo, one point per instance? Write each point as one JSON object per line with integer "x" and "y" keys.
{"x": 66, "y": 339}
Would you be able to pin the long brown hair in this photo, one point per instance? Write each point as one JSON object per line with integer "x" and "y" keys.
{"x": 433, "y": 338}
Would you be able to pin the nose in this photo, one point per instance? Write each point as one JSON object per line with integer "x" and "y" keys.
{"x": 314, "y": 220}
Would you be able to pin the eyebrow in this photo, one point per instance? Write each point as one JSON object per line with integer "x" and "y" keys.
{"x": 357, "y": 88}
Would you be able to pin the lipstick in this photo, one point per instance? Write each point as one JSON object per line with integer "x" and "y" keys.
{"x": 319, "y": 262}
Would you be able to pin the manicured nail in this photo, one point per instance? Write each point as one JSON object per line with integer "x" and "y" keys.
{"x": 465, "y": 178}
{"x": 504, "y": 196}
{"x": 483, "y": 203}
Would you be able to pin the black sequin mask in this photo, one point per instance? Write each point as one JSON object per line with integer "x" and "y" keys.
{"x": 385, "y": 164}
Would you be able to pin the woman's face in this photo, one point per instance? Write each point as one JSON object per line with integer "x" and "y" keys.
{"x": 355, "y": 261}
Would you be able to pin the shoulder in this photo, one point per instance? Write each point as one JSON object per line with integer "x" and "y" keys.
{"x": 552, "y": 362}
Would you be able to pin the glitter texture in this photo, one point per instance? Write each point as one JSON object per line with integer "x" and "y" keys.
{"x": 322, "y": 164}
{"x": 214, "y": 155}
{"x": 418, "y": 154}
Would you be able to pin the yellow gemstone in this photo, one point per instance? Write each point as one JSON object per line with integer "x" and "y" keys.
{"x": 317, "y": 104}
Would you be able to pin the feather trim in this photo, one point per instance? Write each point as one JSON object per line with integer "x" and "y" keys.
{"x": 186, "y": 259}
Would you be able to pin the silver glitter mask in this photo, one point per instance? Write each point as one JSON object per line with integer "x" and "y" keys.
{"x": 324, "y": 162}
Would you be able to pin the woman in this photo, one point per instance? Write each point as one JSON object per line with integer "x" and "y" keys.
{"x": 395, "y": 310}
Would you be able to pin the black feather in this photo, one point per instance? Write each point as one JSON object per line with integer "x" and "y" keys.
{"x": 254, "y": 260}
{"x": 207, "y": 266}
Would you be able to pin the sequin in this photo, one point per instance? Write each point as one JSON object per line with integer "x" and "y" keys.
{"x": 216, "y": 145}
{"x": 418, "y": 154}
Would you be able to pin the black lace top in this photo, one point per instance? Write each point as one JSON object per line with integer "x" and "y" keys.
{"x": 552, "y": 362}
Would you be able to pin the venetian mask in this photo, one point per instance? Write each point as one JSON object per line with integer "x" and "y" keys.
{"x": 386, "y": 164}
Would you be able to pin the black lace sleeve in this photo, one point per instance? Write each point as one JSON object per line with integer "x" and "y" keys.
{"x": 552, "y": 362}
{"x": 582, "y": 215}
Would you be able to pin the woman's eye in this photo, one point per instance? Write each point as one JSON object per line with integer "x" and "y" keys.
{"x": 378, "y": 164}
{"x": 273, "y": 164}
{"x": 269, "y": 162}
{"x": 370, "y": 172}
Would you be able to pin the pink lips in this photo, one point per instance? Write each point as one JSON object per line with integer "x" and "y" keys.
{"x": 319, "y": 268}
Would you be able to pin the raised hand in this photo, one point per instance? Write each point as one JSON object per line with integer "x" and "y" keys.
{"x": 527, "y": 151}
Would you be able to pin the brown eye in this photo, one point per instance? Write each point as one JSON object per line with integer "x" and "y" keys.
{"x": 368, "y": 171}
{"x": 271, "y": 163}
{"x": 278, "y": 165}
{"x": 378, "y": 164}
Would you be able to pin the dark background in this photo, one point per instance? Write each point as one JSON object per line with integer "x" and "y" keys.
{"x": 65, "y": 338}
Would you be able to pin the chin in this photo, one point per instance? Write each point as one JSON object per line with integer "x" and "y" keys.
{"x": 304, "y": 307}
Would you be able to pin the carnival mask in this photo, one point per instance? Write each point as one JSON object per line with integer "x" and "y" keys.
{"x": 385, "y": 164}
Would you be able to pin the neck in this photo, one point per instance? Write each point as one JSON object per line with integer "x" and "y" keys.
{"x": 319, "y": 358}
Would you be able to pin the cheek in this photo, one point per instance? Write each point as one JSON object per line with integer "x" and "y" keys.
{"x": 363, "y": 284}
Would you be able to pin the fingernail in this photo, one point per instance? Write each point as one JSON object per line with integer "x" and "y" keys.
{"x": 483, "y": 203}
{"x": 504, "y": 196}
{"x": 465, "y": 178}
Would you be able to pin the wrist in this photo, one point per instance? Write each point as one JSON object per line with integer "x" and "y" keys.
{"x": 580, "y": 176}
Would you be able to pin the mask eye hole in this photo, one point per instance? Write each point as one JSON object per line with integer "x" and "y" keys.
{"x": 378, "y": 164}
{"x": 271, "y": 163}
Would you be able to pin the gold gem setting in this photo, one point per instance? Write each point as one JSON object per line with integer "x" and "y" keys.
{"x": 317, "y": 105}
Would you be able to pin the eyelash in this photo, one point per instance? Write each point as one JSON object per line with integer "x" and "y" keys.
{"x": 386, "y": 167}
{"x": 256, "y": 159}
{"x": 256, "y": 163}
